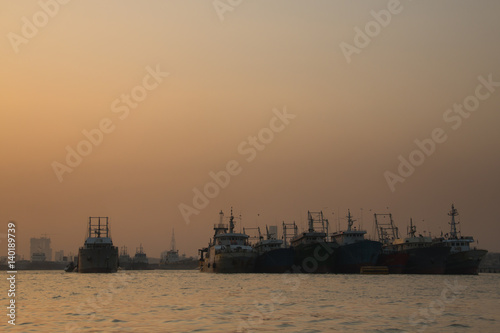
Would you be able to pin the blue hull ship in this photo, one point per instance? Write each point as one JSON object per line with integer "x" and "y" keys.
{"x": 275, "y": 261}
{"x": 354, "y": 251}
{"x": 351, "y": 257}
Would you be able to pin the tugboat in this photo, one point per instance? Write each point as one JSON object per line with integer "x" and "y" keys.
{"x": 462, "y": 259}
{"x": 387, "y": 232}
{"x": 228, "y": 252}
{"x": 140, "y": 260}
{"x": 272, "y": 256}
{"x": 98, "y": 255}
{"x": 354, "y": 250}
{"x": 313, "y": 254}
{"x": 425, "y": 256}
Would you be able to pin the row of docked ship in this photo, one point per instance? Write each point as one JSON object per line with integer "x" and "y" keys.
{"x": 99, "y": 255}
{"x": 317, "y": 251}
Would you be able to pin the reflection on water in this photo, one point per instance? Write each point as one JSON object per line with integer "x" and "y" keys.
{"x": 185, "y": 301}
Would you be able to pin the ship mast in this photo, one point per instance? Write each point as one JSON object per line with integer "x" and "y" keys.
{"x": 350, "y": 221}
{"x": 172, "y": 242}
{"x": 413, "y": 229}
{"x": 231, "y": 222}
{"x": 311, "y": 222}
{"x": 453, "y": 212}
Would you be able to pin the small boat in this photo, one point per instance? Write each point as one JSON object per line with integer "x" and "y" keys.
{"x": 124, "y": 261}
{"x": 140, "y": 260}
{"x": 171, "y": 260}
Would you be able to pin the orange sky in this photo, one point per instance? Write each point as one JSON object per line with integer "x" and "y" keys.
{"x": 225, "y": 77}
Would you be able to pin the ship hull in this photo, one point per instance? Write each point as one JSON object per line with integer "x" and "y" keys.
{"x": 315, "y": 258}
{"x": 466, "y": 262}
{"x": 395, "y": 262}
{"x": 427, "y": 260}
{"x": 275, "y": 261}
{"x": 230, "y": 262}
{"x": 139, "y": 266}
{"x": 180, "y": 265}
{"x": 98, "y": 260}
{"x": 352, "y": 257}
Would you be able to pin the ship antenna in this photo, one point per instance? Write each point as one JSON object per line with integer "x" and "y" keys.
{"x": 453, "y": 212}
{"x": 350, "y": 221}
{"x": 172, "y": 243}
{"x": 413, "y": 229}
{"x": 311, "y": 221}
{"x": 231, "y": 222}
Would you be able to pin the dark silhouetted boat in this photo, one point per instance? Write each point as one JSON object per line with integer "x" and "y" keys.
{"x": 124, "y": 260}
{"x": 425, "y": 256}
{"x": 354, "y": 250}
{"x": 140, "y": 260}
{"x": 313, "y": 253}
{"x": 98, "y": 255}
{"x": 390, "y": 257}
{"x": 462, "y": 259}
{"x": 171, "y": 260}
{"x": 273, "y": 256}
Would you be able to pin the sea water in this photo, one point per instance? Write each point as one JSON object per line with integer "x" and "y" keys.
{"x": 190, "y": 301}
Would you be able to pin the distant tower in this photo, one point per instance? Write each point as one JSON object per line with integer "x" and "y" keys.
{"x": 172, "y": 243}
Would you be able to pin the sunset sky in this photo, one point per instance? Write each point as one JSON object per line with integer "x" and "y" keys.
{"x": 181, "y": 87}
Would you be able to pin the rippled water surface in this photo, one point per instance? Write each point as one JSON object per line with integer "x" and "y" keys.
{"x": 190, "y": 301}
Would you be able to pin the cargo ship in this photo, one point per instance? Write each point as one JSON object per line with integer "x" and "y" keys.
{"x": 313, "y": 253}
{"x": 98, "y": 255}
{"x": 390, "y": 257}
{"x": 354, "y": 250}
{"x": 228, "y": 251}
{"x": 273, "y": 256}
{"x": 462, "y": 259}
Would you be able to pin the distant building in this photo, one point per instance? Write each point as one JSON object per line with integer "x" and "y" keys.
{"x": 38, "y": 246}
{"x": 59, "y": 256}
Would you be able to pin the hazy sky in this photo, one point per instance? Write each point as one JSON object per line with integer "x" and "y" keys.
{"x": 103, "y": 65}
